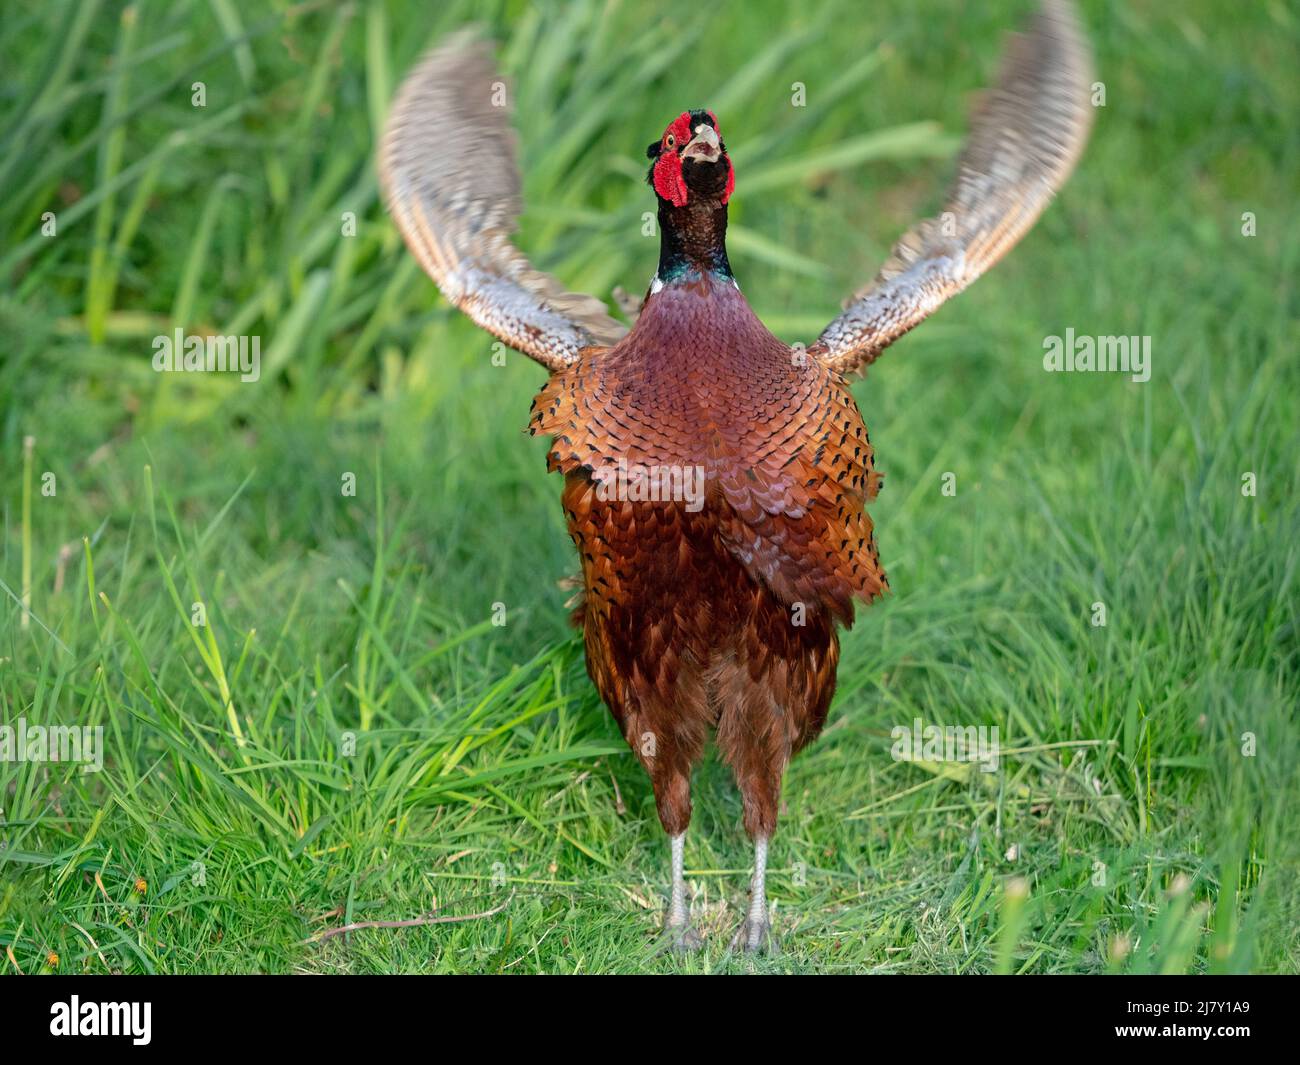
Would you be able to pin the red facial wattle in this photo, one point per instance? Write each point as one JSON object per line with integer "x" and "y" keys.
{"x": 669, "y": 182}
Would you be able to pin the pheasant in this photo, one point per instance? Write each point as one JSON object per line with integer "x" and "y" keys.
{"x": 715, "y": 478}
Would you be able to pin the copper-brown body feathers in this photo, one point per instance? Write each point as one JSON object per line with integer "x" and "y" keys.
{"x": 723, "y": 616}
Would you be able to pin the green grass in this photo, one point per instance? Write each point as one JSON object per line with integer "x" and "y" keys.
{"x": 485, "y": 770}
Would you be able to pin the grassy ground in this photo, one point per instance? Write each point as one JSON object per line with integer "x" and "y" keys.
{"x": 401, "y": 752}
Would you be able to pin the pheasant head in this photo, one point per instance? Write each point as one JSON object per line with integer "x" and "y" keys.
{"x": 690, "y": 159}
{"x": 692, "y": 175}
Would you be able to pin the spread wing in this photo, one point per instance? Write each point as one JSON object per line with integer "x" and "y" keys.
{"x": 448, "y": 170}
{"x": 1024, "y": 141}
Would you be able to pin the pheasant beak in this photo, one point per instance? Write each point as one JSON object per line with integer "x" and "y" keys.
{"x": 704, "y": 146}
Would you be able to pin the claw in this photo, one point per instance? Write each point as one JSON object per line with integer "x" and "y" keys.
{"x": 679, "y": 939}
{"x": 755, "y": 937}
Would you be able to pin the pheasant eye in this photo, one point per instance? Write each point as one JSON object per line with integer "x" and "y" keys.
{"x": 670, "y": 140}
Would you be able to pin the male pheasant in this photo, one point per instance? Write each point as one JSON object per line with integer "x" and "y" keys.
{"x": 714, "y": 476}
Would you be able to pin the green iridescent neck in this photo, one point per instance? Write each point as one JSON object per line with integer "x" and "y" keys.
{"x": 692, "y": 241}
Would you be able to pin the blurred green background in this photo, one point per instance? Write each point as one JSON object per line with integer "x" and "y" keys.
{"x": 397, "y": 753}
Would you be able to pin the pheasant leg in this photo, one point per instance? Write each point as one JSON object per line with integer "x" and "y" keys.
{"x": 755, "y": 932}
{"x": 678, "y": 933}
